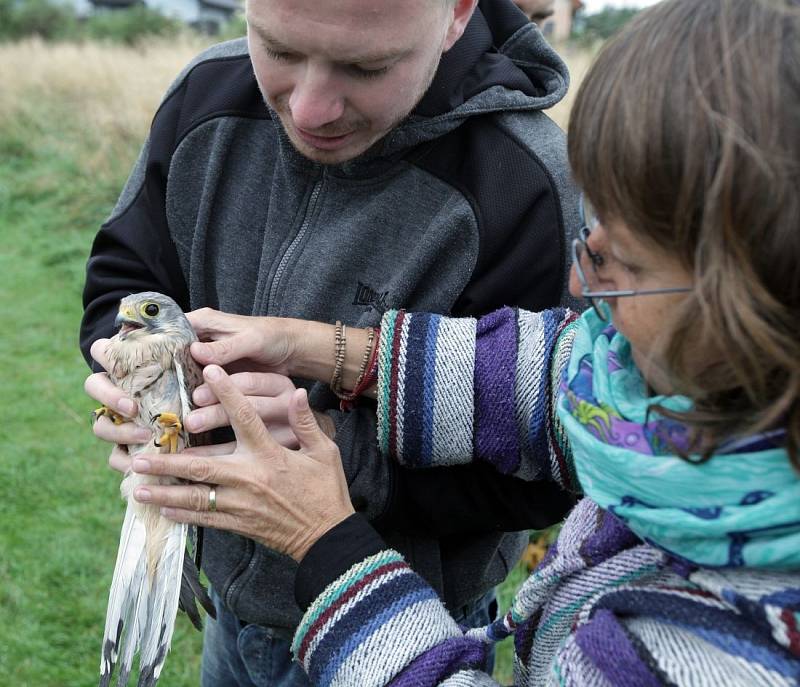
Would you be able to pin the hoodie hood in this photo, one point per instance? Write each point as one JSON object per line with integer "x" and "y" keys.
{"x": 501, "y": 63}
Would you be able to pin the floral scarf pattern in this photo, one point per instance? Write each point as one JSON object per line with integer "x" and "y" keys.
{"x": 741, "y": 508}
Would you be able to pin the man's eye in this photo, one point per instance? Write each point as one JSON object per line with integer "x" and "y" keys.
{"x": 275, "y": 55}
{"x": 362, "y": 73}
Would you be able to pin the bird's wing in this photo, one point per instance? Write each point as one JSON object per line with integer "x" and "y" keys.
{"x": 190, "y": 376}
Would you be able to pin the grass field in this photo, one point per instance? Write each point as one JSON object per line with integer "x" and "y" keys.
{"x": 72, "y": 119}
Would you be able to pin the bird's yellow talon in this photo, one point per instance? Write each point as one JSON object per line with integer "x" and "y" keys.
{"x": 172, "y": 429}
{"x": 112, "y": 415}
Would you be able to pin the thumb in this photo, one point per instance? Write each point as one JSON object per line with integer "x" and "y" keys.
{"x": 312, "y": 439}
{"x": 98, "y": 352}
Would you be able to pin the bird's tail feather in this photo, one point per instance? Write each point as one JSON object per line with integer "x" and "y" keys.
{"x": 162, "y": 604}
{"x": 143, "y": 600}
{"x": 129, "y": 576}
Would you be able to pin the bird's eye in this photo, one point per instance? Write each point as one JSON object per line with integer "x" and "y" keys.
{"x": 151, "y": 310}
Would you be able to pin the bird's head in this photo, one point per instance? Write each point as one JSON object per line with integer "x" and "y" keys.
{"x": 149, "y": 313}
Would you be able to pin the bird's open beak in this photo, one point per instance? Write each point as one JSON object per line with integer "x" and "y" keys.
{"x": 127, "y": 322}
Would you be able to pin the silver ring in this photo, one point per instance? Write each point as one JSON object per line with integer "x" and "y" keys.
{"x": 212, "y": 499}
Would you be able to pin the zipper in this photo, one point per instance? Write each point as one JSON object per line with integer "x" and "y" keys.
{"x": 312, "y": 201}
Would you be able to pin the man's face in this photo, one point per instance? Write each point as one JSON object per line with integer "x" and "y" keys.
{"x": 342, "y": 74}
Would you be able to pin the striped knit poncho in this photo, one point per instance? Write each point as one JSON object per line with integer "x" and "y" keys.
{"x": 603, "y": 608}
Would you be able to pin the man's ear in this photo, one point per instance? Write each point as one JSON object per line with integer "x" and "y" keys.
{"x": 461, "y": 14}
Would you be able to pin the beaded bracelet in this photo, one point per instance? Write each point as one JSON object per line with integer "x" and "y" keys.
{"x": 369, "y": 377}
{"x": 337, "y": 376}
{"x": 340, "y": 343}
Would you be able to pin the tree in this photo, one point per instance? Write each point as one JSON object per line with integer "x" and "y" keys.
{"x": 601, "y": 25}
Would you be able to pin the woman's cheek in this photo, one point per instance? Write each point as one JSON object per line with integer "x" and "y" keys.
{"x": 574, "y": 283}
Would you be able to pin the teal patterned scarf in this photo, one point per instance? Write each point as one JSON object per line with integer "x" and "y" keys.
{"x": 741, "y": 508}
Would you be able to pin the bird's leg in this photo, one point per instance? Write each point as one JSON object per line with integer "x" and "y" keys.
{"x": 172, "y": 429}
{"x": 115, "y": 417}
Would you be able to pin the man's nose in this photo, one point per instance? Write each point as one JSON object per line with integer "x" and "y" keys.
{"x": 316, "y": 99}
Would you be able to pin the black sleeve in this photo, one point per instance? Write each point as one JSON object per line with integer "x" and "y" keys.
{"x": 466, "y": 499}
{"x": 469, "y": 499}
{"x": 332, "y": 555}
{"x": 132, "y": 252}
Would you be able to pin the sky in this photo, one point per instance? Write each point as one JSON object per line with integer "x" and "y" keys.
{"x": 596, "y": 5}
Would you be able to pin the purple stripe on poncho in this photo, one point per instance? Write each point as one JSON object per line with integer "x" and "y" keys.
{"x": 523, "y": 639}
{"x": 436, "y": 665}
{"x": 607, "y": 644}
{"x": 609, "y": 538}
{"x": 496, "y": 440}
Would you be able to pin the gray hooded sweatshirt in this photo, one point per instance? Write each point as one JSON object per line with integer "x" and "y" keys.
{"x": 466, "y": 206}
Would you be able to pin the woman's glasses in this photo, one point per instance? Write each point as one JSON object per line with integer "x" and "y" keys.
{"x": 580, "y": 247}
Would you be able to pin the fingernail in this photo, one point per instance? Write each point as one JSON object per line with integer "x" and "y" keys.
{"x": 142, "y": 494}
{"x": 168, "y": 512}
{"x": 143, "y": 436}
{"x": 201, "y": 349}
{"x": 302, "y": 400}
{"x": 127, "y": 406}
{"x": 140, "y": 465}
{"x": 194, "y": 423}
{"x": 202, "y": 396}
{"x": 213, "y": 372}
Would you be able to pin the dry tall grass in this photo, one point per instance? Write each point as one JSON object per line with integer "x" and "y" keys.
{"x": 100, "y": 97}
{"x": 113, "y": 90}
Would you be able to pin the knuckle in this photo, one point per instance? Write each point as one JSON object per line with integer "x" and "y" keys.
{"x": 224, "y": 348}
{"x": 245, "y": 414}
{"x": 200, "y": 470}
{"x": 197, "y": 499}
{"x": 248, "y": 383}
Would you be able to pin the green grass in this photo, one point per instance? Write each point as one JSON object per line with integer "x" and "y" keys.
{"x": 59, "y": 504}
{"x": 60, "y": 512}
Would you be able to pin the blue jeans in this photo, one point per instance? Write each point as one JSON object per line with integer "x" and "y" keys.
{"x": 236, "y": 654}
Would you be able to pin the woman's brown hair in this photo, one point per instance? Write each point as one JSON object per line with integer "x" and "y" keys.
{"x": 687, "y": 128}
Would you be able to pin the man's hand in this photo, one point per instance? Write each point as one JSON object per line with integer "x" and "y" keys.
{"x": 102, "y": 390}
{"x": 269, "y": 394}
{"x": 282, "y": 498}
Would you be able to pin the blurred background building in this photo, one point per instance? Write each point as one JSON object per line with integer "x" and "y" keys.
{"x": 205, "y": 15}
{"x": 554, "y": 17}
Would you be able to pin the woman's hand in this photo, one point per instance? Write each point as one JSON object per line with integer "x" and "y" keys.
{"x": 295, "y": 348}
{"x": 243, "y": 343}
{"x": 281, "y": 498}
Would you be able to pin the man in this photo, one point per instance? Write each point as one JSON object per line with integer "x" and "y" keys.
{"x": 402, "y": 159}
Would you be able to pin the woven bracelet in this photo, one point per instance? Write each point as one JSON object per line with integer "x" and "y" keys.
{"x": 351, "y": 395}
{"x": 369, "y": 374}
